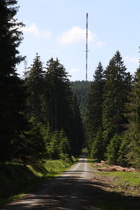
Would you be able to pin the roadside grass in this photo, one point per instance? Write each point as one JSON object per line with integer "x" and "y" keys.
{"x": 122, "y": 189}
{"x": 17, "y": 179}
{"x": 127, "y": 182}
{"x": 123, "y": 181}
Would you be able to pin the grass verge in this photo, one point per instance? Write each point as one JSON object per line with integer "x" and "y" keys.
{"x": 125, "y": 182}
{"x": 17, "y": 179}
{"x": 120, "y": 190}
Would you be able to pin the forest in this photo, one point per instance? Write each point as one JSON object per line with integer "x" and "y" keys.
{"x": 45, "y": 116}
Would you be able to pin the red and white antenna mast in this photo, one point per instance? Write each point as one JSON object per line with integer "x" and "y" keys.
{"x": 86, "y": 44}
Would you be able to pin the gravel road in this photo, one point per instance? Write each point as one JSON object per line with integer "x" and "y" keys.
{"x": 79, "y": 188}
{"x": 71, "y": 190}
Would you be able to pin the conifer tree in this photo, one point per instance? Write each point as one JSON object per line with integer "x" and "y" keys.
{"x": 35, "y": 88}
{"x": 57, "y": 94}
{"x": 116, "y": 89}
{"x": 61, "y": 107}
{"x": 12, "y": 121}
{"x": 132, "y": 142}
{"x": 95, "y": 100}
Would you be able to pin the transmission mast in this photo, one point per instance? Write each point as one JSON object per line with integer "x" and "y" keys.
{"x": 86, "y": 44}
{"x": 25, "y": 67}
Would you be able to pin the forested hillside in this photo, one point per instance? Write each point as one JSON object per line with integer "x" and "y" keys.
{"x": 81, "y": 89}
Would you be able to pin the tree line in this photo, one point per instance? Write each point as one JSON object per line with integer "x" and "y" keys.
{"x": 113, "y": 114}
{"x": 39, "y": 115}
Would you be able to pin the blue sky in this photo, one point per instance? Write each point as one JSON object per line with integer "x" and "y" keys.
{"x": 57, "y": 28}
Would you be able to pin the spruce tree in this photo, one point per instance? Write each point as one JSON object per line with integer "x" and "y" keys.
{"x": 12, "y": 121}
{"x": 35, "y": 88}
{"x": 94, "y": 112}
{"x": 57, "y": 94}
{"x": 116, "y": 89}
{"x": 95, "y": 100}
{"x": 132, "y": 142}
{"x": 61, "y": 107}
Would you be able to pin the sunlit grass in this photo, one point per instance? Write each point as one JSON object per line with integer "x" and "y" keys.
{"x": 17, "y": 179}
{"x": 122, "y": 181}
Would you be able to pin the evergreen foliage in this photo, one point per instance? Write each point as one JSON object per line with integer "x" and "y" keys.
{"x": 34, "y": 84}
{"x": 52, "y": 104}
{"x": 59, "y": 145}
{"x": 97, "y": 149}
{"x": 94, "y": 104}
{"x": 113, "y": 149}
{"x": 107, "y": 113}
{"x": 133, "y": 134}
{"x": 32, "y": 146}
{"x": 12, "y": 98}
{"x": 58, "y": 95}
{"x": 81, "y": 90}
{"x": 116, "y": 89}
{"x": 62, "y": 108}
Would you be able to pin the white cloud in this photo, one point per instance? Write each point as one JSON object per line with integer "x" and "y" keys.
{"x": 100, "y": 43}
{"x": 76, "y": 34}
{"x": 132, "y": 59}
{"x": 33, "y": 29}
{"x": 75, "y": 70}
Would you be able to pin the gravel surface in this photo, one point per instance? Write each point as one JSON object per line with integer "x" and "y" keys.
{"x": 78, "y": 188}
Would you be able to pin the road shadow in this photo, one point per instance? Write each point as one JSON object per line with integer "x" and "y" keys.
{"x": 72, "y": 193}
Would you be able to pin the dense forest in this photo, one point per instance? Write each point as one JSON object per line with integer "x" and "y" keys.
{"x": 45, "y": 116}
{"x": 81, "y": 90}
{"x": 39, "y": 116}
{"x": 113, "y": 114}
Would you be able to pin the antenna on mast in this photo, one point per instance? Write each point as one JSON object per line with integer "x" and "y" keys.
{"x": 86, "y": 44}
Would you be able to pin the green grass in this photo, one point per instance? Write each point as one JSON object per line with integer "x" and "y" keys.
{"x": 122, "y": 190}
{"x": 17, "y": 179}
{"x": 123, "y": 181}
{"x": 124, "y": 178}
{"x": 128, "y": 182}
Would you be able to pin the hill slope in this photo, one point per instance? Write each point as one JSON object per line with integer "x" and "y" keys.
{"x": 81, "y": 90}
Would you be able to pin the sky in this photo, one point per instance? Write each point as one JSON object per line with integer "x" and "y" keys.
{"x": 57, "y": 29}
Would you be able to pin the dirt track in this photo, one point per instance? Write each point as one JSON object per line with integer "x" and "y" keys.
{"x": 78, "y": 188}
